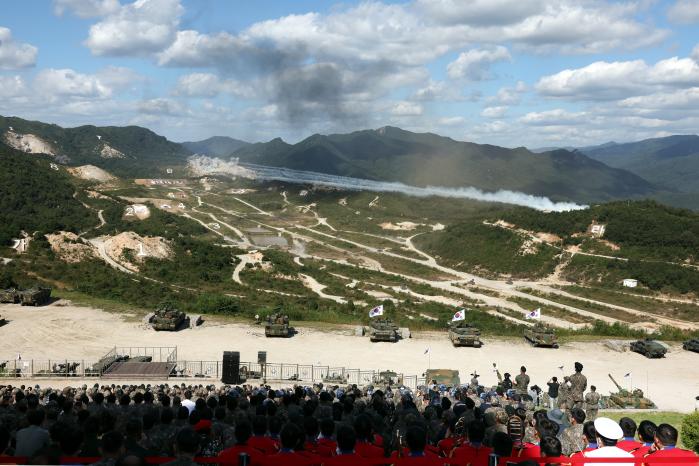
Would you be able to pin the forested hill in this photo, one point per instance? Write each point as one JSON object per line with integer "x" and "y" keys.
{"x": 34, "y": 197}
{"x": 423, "y": 159}
{"x": 129, "y": 151}
{"x": 216, "y": 146}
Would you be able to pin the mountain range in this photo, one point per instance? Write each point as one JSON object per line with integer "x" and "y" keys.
{"x": 664, "y": 168}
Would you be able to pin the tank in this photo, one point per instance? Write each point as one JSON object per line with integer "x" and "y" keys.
{"x": 277, "y": 325}
{"x": 624, "y": 399}
{"x": 9, "y": 296}
{"x": 691, "y": 345}
{"x": 464, "y": 334}
{"x": 387, "y": 378}
{"x": 35, "y": 296}
{"x": 383, "y": 330}
{"x": 541, "y": 336}
{"x": 648, "y": 348}
{"x": 169, "y": 318}
{"x": 448, "y": 377}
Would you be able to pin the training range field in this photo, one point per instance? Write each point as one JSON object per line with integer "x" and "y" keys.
{"x": 64, "y": 331}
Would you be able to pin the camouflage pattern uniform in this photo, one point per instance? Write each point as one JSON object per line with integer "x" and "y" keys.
{"x": 564, "y": 395}
{"x": 572, "y": 440}
{"x": 591, "y": 405}
{"x": 578, "y": 384}
{"x": 522, "y": 384}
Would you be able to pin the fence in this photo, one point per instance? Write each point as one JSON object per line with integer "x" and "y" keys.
{"x": 272, "y": 372}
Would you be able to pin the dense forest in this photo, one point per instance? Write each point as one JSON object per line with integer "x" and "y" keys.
{"x": 35, "y": 198}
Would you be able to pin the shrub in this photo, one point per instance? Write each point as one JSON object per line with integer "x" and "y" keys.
{"x": 690, "y": 432}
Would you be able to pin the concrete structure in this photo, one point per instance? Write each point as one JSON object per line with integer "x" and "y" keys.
{"x": 630, "y": 283}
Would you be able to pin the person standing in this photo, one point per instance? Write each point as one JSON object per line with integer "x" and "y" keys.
{"x": 553, "y": 392}
{"x": 578, "y": 385}
{"x": 522, "y": 382}
{"x": 592, "y": 403}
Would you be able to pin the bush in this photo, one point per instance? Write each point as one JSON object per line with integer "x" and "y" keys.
{"x": 690, "y": 432}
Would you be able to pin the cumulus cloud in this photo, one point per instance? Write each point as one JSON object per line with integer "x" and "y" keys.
{"x": 509, "y": 95}
{"x": 160, "y": 106}
{"x": 481, "y": 12}
{"x": 15, "y": 55}
{"x": 474, "y": 65}
{"x": 59, "y": 83}
{"x": 617, "y": 80}
{"x": 210, "y": 85}
{"x": 438, "y": 91}
{"x": 86, "y": 8}
{"x": 494, "y": 112}
{"x": 553, "y": 118}
{"x": 136, "y": 29}
{"x": 695, "y": 53}
{"x": 406, "y": 109}
{"x": 684, "y": 12}
{"x": 12, "y": 86}
{"x": 451, "y": 121}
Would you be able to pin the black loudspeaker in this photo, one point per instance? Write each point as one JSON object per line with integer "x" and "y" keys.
{"x": 231, "y": 368}
{"x": 262, "y": 357}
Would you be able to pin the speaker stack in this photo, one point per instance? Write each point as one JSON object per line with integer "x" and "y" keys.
{"x": 231, "y": 368}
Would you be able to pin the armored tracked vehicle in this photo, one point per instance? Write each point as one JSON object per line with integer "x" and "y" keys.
{"x": 541, "y": 336}
{"x": 9, "y": 296}
{"x": 383, "y": 330}
{"x": 169, "y": 318}
{"x": 624, "y": 399}
{"x": 448, "y": 377}
{"x": 691, "y": 345}
{"x": 464, "y": 334}
{"x": 35, "y": 296}
{"x": 277, "y": 325}
{"x": 387, "y": 378}
{"x": 649, "y": 348}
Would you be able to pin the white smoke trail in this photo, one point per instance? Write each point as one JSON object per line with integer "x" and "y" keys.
{"x": 358, "y": 184}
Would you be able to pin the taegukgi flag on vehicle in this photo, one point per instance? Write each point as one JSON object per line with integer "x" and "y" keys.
{"x": 377, "y": 311}
{"x": 460, "y": 315}
{"x": 535, "y": 314}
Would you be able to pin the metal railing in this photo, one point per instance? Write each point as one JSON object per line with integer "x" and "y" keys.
{"x": 272, "y": 372}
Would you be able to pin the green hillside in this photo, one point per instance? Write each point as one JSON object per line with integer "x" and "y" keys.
{"x": 423, "y": 159}
{"x": 144, "y": 152}
{"x": 216, "y": 146}
{"x": 33, "y": 197}
{"x": 671, "y": 162}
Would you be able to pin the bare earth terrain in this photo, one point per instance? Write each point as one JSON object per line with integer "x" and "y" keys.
{"x": 62, "y": 330}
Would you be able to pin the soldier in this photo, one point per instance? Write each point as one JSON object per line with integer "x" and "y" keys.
{"x": 564, "y": 398}
{"x": 474, "y": 381}
{"x": 578, "y": 384}
{"x": 592, "y": 403}
{"x": 522, "y": 382}
{"x": 572, "y": 437}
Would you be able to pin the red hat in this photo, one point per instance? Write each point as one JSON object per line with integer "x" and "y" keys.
{"x": 202, "y": 425}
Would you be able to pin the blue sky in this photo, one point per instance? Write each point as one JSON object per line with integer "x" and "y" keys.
{"x": 535, "y": 73}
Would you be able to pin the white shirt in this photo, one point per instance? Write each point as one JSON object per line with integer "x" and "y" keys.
{"x": 607, "y": 452}
{"x": 189, "y": 404}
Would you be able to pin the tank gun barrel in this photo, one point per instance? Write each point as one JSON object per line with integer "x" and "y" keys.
{"x": 615, "y": 382}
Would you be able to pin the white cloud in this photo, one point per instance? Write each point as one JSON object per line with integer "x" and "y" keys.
{"x": 684, "y": 12}
{"x": 86, "y": 8}
{"x": 553, "y": 118}
{"x": 160, "y": 106}
{"x": 480, "y": 12}
{"x": 474, "y": 65}
{"x": 695, "y": 53}
{"x": 210, "y": 85}
{"x": 12, "y": 86}
{"x": 438, "y": 91}
{"x": 617, "y": 80}
{"x": 15, "y": 55}
{"x": 136, "y": 29}
{"x": 451, "y": 121}
{"x": 494, "y": 112}
{"x": 406, "y": 109}
{"x": 509, "y": 95}
{"x": 58, "y": 83}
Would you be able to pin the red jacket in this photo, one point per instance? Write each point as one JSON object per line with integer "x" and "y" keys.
{"x": 231, "y": 454}
{"x": 325, "y": 447}
{"x": 629, "y": 445}
{"x": 671, "y": 453}
{"x": 367, "y": 450}
{"x": 468, "y": 454}
{"x": 642, "y": 451}
{"x": 266, "y": 445}
{"x": 446, "y": 446}
{"x": 527, "y": 450}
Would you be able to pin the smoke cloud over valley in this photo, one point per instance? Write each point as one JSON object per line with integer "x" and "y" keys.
{"x": 202, "y": 165}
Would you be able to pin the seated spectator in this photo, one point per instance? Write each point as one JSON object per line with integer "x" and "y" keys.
{"x": 364, "y": 432}
{"x": 186, "y": 448}
{"x": 646, "y": 433}
{"x": 473, "y": 452}
{"x": 629, "y": 442}
{"x": 590, "y": 435}
{"x": 325, "y": 445}
{"x": 111, "y": 448}
{"x": 666, "y": 447}
{"x": 551, "y": 448}
{"x": 241, "y": 447}
{"x": 259, "y": 439}
{"x": 33, "y": 438}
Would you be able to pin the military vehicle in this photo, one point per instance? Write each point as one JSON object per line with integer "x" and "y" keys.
{"x": 9, "y": 296}
{"x": 464, "y": 334}
{"x": 335, "y": 379}
{"x": 648, "y": 348}
{"x": 624, "y": 399}
{"x": 386, "y": 378}
{"x": 541, "y": 335}
{"x": 62, "y": 369}
{"x": 35, "y": 296}
{"x": 169, "y": 318}
{"x": 448, "y": 377}
{"x": 2, "y": 321}
{"x": 277, "y": 325}
{"x": 382, "y": 329}
{"x": 691, "y": 345}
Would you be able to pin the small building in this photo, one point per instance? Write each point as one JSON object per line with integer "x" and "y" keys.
{"x": 597, "y": 229}
{"x": 630, "y": 283}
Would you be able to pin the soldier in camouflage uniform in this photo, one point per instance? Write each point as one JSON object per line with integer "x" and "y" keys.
{"x": 522, "y": 382}
{"x": 564, "y": 396}
{"x": 592, "y": 403}
{"x": 572, "y": 437}
{"x": 578, "y": 385}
